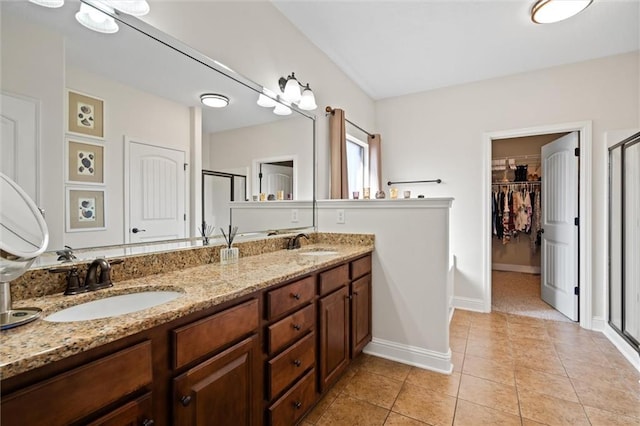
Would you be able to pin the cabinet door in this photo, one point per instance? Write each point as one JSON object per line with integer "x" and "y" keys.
{"x": 334, "y": 336}
{"x": 360, "y": 314}
{"x": 224, "y": 390}
{"x": 133, "y": 413}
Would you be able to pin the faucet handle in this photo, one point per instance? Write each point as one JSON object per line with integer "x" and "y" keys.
{"x": 73, "y": 280}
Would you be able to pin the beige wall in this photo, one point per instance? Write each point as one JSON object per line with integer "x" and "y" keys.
{"x": 256, "y": 40}
{"x": 438, "y": 134}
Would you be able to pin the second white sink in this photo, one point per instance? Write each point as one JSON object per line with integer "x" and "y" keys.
{"x": 113, "y": 306}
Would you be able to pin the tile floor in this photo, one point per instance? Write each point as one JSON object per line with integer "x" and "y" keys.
{"x": 508, "y": 370}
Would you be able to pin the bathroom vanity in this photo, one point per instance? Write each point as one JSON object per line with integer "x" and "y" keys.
{"x": 255, "y": 342}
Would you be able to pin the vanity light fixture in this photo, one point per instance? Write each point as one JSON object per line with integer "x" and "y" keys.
{"x": 48, "y": 3}
{"x": 214, "y": 100}
{"x": 267, "y": 98}
{"x": 281, "y": 109}
{"x": 96, "y": 20}
{"x": 290, "y": 88}
{"x": 550, "y": 11}
{"x": 130, "y": 7}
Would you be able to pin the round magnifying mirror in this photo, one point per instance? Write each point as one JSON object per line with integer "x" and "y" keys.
{"x": 23, "y": 237}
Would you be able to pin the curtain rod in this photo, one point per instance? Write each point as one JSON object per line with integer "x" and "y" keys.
{"x": 329, "y": 110}
{"x": 415, "y": 181}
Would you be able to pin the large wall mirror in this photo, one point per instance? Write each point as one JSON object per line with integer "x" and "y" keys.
{"x": 116, "y": 136}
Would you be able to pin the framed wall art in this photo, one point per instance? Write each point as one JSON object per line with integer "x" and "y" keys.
{"x": 85, "y": 162}
{"x": 85, "y": 115}
{"x": 85, "y": 209}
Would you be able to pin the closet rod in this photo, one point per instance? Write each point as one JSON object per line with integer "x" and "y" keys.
{"x": 329, "y": 110}
{"x": 535, "y": 182}
{"x": 415, "y": 181}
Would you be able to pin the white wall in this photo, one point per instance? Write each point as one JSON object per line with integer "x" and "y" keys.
{"x": 33, "y": 66}
{"x": 409, "y": 272}
{"x": 256, "y": 40}
{"x": 135, "y": 114}
{"x": 438, "y": 134}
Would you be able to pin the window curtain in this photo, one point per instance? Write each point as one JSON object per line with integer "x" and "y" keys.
{"x": 338, "y": 145}
{"x": 375, "y": 164}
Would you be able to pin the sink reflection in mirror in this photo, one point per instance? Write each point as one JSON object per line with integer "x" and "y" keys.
{"x": 113, "y": 306}
{"x": 161, "y": 112}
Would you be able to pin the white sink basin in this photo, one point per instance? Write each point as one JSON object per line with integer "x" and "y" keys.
{"x": 113, "y": 306}
{"x": 318, "y": 253}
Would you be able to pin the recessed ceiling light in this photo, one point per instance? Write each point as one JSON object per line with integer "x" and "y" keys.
{"x": 214, "y": 100}
{"x": 549, "y": 11}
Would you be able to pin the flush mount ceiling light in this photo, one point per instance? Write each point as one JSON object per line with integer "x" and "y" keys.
{"x": 48, "y": 3}
{"x": 549, "y": 11}
{"x": 214, "y": 100}
{"x": 96, "y": 20}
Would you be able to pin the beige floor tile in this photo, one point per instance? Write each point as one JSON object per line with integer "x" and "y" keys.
{"x": 489, "y": 394}
{"x": 457, "y": 359}
{"x": 486, "y": 349}
{"x": 373, "y": 388}
{"x": 385, "y": 367}
{"x": 572, "y": 352}
{"x": 348, "y": 411}
{"x": 528, "y": 331}
{"x": 462, "y": 316}
{"x": 599, "y": 417}
{"x": 483, "y": 333}
{"x": 470, "y": 414}
{"x": 495, "y": 327}
{"x": 525, "y": 344}
{"x": 601, "y": 373}
{"x": 447, "y": 384}
{"x": 551, "y": 411}
{"x": 457, "y": 344}
{"x": 569, "y": 337}
{"x": 528, "y": 380}
{"x": 617, "y": 400}
{"x": 547, "y": 362}
{"x": 396, "y": 419}
{"x": 322, "y": 405}
{"x": 459, "y": 331}
{"x": 489, "y": 369}
{"x": 424, "y": 405}
{"x": 525, "y": 321}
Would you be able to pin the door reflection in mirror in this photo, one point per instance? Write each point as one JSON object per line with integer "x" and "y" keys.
{"x": 218, "y": 190}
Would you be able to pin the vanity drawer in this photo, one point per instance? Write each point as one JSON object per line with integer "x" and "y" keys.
{"x": 290, "y": 328}
{"x": 333, "y": 279}
{"x": 289, "y": 297}
{"x": 206, "y": 335}
{"x": 360, "y": 267}
{"x": 289, "y": 365}
{"x": 292, "y": 405}
{"x": 73, "y": 395}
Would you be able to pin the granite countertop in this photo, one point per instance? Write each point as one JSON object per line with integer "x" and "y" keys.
{"x": 41, "y": 342}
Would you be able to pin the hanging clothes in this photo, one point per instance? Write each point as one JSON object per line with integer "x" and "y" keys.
{"x": 515, "y": 209}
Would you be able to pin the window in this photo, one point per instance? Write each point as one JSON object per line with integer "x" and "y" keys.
{"x": 357, "y": 165}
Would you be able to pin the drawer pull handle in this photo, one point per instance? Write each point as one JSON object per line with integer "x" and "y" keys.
{"x": 148, "y": 422}
{"x": 297, "y": 404}
{"x": 185, "y": 400}
{"x": 296, "y": 327}
{"x": 355, "y": 293}
{"x": 297, "y": 363}
{"x": 296, "y": 296}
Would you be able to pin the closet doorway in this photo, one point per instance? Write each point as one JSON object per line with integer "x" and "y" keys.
{"x": 534, "y": 255}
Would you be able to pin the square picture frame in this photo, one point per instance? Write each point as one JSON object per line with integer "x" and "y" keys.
{"x": 85, "y": 114}
{"x": 85, "y": 209}
{"x": 85, "y": 162}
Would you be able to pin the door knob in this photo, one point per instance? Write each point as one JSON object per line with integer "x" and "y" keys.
{"x": 136, "y": 230}
{"x": 185, "y": 400}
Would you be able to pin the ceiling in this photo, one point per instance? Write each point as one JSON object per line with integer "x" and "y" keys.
{"x": 393, "y": 48}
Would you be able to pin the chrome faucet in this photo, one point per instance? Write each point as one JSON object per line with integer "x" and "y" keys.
{"x": 294, "y": 242}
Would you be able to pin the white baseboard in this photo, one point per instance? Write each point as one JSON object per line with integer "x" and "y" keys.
{"x": 468, "y": 304}
{"x": 411, "y": 355}
{"x": 526, "y": 269}
{"x": 625, "y": 349}
{"x": 598, "y": 324}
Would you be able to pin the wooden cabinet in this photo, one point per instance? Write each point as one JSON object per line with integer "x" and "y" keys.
{"x": 334, "y": 335}
{"x": 360, "y": 314}
{"x": 224, "y": 390}
{"x": 289, "y": 408}
{"x": 133, "y": 413}
{"x": 79, "y": 393}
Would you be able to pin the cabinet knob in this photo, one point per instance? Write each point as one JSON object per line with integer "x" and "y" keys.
{"x": 297, "y": 404}
{"x": 355, "y": 293}
{"x": 148, "y": 422}
{"x": 296, "y": 327}
{"x": 185, "y": 400}
{"x": 297, "y": 362}
{"x": 296, "y": 296}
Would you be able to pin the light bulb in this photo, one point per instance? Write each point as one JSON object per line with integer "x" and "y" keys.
{"x": 549, "y": 11}
{"x": 308, "y": 100}
{"x": 96, "y": 20}
{"x": 292, "y": 89}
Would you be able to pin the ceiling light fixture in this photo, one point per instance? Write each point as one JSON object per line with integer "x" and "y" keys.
{"x": 48, "y": 3}
{"x": 214, "y": 100}
{"x": 130, "y": 7}
{"x": 281, "y": 109}
{"x": 267, "y": 98}
{"x": 292, "y": 93}
{"x": 96, "y": 20}
{"x": 550, "y": 11}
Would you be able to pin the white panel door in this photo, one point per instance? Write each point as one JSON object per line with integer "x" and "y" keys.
{"x": 19, "y": 139}
{"x": 156, "y": 193}
{"x": 560, "y": 234}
